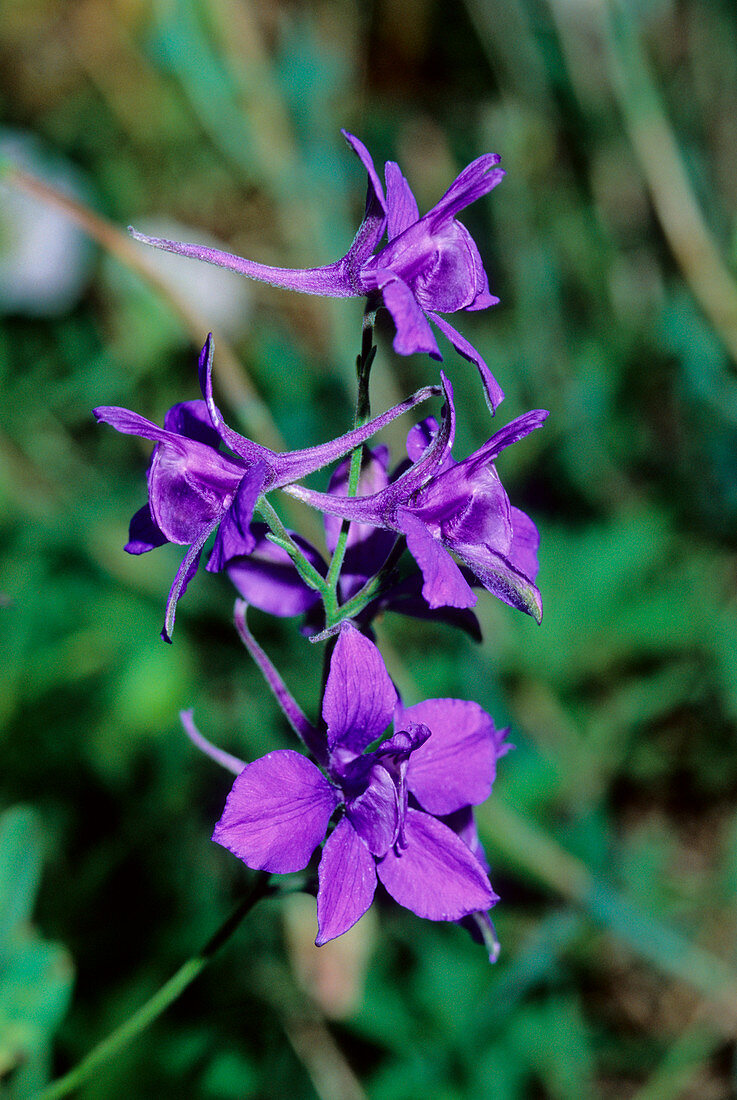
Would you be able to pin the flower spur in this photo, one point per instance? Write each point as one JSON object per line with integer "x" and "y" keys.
{"x": 430, "y": 264}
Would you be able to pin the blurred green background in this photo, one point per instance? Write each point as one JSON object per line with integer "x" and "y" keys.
{"x": 612, "y": 830}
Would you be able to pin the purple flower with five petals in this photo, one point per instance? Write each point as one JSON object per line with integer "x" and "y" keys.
{"x": 196, "y": 489}
{"x": 441, "y": 505}
{"x": 430, "y": 265}
{"x": 391, "y": 799}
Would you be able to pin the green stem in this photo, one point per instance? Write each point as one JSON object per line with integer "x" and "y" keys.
{"x": 374, "y": 587}
{"x": 282, "y": 538}
{"x": 153, "y": 1008}
{"x": 363, "y": 412}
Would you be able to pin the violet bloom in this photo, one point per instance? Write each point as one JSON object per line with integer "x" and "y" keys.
{"x": 430, "y": 265}
{"x": 440, "y": 760}
{"x": 441, "y": 505}
{"x": 196, "y": 489}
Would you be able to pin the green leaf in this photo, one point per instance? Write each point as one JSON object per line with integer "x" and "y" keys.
{"x": 21, "y": 854}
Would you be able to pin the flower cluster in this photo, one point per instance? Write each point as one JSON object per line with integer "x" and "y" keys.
{"x": 389, "y": 806}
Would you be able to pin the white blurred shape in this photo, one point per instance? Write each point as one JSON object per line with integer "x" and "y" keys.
{"x": 45, "y": 260}
{"x": 221, "y": 297}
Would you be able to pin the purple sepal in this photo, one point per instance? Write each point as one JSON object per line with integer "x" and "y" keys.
{"x": 444, "y": 584}
{"x": 413, "y": 330}
{"x": 476, "y": 180}
{"x": 143, "y": 533}
{"x": 435, "y": 876}
{"x": 347, "y": 882}
{"x": 184, "y": 575}
{"x": 493, "y": 391}
{"x": 277, "y": 813}
{"x": 359, "y": 696}
{"x": 235, "y": 536}
{"x": 456, "y": 766}
{"x": 267, "y": 578}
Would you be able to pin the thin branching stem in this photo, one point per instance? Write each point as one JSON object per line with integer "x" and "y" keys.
{"x": 165, "y": 996}
{"x": 363, "y": 413}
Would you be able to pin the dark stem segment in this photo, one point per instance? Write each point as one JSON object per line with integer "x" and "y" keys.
{"x": 364, "y": 363}
{"x": 292, "y": 712}
{"x": 153, "y": 1008}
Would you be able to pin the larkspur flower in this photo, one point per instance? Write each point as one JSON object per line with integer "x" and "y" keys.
{"x": 444, "y": 506}
{"x": 430, "y": 265}
{"x": 403, "y": 807}
{"x": 266, "y": 576}
{"x": 196, "y": 489}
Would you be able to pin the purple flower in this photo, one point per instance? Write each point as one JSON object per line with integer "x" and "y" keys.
{"x": 440, "y": 761}
{"x": 430, "y": 265}
{"x": 441, "y": 505}
{"x": 196, "y": 489}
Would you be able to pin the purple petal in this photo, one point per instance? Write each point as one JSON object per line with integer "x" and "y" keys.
{"x": 276, "y": 813}
{"x": 522, "y": 553}
{"x": 130, "y": 423}
{"x": 493, "y": 391}
{"x": 329, "y": 280}
{"x": 476, "y": 180}
{"x": 456, "y": 766}
{"x": 359, "y": 696}
{"x": 143, "y": 533}
{"x": 420, "y": 436}
{"x": 244, "y": 448}
{"x": 189, "y": 485}
{"x": 403, "y": 742}
{"x": 413, "y": 329}
{"x": 367, "y": 161}
{"x": 347, "y": 881}
{"x": 235, "y": 536}
{"x": 435, "y": 876}
{"x": 375, "y": 813}
{"x": 517, "y": 429}
{"x": 439, "y": 265}
{"x": 444, "y": 584}
{"x": 401, "y": 203}
{"x": 267, "y": 578}
{"x": 483, "y": 298}
{"x": 192, "y": 418}
{"x": 293, "y": 465}
{"x": 500, "y": 578}
{"x": 467, "y": 506}
{"x": 463, "y": 824}
{"x": 184, "y": 575}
